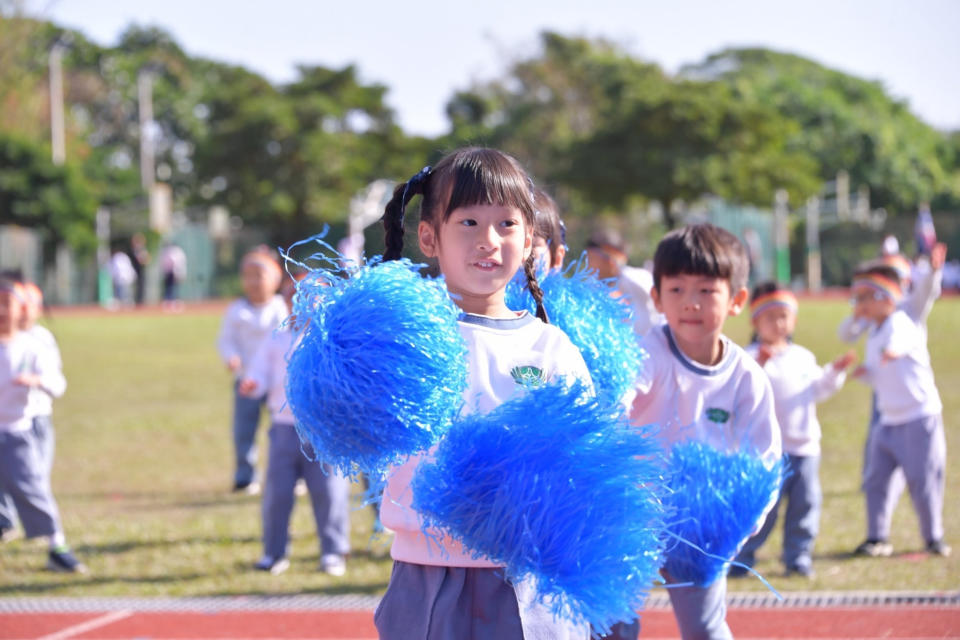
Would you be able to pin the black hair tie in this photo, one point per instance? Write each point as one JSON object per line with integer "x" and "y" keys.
{"x": 415, "y": 181}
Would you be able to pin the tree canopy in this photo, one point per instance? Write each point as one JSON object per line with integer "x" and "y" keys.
{"x": 605, "y": 131}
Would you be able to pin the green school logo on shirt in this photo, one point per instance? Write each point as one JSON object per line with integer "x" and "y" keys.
{"x": 529, "y": 376}
{"x": 718, "y": 415}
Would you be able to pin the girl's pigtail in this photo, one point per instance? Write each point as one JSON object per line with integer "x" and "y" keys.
{"x": 530, "y": 270}
{"x": 394, "y": 212}
{"x": 393, "y": 225}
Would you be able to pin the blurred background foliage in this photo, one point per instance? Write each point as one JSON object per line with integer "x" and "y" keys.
{"x": 610, "y": 135}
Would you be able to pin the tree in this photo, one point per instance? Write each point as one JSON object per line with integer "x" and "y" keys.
{"x": 36, "y": 193}
{"x": 845, "y": 123}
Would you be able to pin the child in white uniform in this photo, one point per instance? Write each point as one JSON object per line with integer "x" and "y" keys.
{"x": 909, "y": 432}
{"x": 245, "y": 325}
{"x": 477, "y": 220}
{"x": 287, "y": 463}
{"x": 699, "y": 385}
{"x": 798, "y": 384}
{"x": 25, "y": 366}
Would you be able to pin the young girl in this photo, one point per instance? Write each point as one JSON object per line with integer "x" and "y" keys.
{"x": 550, "y": 234}
{"x": 798, "y": 384}
{"x": 477, "y": 220}
{"x": 246, "y": 323}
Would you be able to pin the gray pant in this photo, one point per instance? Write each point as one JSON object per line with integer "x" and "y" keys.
{"x": 43, "y": 437}
{"x": 920, "y": 450}
{"x": 465, "y": 603}
{"x": 329, "y": 494}
{"x": 701, "y": 612}
{"x": 801, "y": 522}
{"x": 22, "y": 476}
{"x": 246, "y": 419}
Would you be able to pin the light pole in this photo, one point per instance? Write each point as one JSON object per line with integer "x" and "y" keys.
{"x": 57, "y": 127}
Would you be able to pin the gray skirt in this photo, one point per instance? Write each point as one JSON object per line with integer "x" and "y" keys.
{"x": 464, "y": 603}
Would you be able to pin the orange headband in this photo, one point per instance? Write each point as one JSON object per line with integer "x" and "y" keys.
{"x": 774, "y": 298}
{"x": 877, "y": 282}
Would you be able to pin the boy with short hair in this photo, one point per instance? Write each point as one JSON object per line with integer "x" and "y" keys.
{"x": 24, "y": 366}
{"x": 698, "y": 384}
{"x": 909, "y": 432}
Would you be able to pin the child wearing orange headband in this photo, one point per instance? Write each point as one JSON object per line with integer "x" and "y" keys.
{"x": 246, "y": 323}
{"x": 798, "y": 384}
{"x": 909, "y": 429}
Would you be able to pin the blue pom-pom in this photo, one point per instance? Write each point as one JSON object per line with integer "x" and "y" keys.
{"x": 380, "y": 368}
{"x": 554, "y": 485}
{"x": 716, "y": 500}
{"x": 600, "y": 325}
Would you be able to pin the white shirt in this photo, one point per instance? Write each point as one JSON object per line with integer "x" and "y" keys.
{"x": 268, "y": 369}
{"x": 41, "y": 400}
{"x": 121, "y": 268}
{"x": 798, "y": 383}
{"x": 174, "y": 260}
{"x": 22, "y": 354}
{"x": 635, "y": 284}
{"x": 497, "y": 348}
{"x": 244, "y": 327}
{"x": 728, "y": 406}
{"x": 905, "y": 387}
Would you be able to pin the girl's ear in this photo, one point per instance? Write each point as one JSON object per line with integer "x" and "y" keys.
{"x": 655, "y": 296}
{"x": 527, "y": 243}
{"x": 427, "y": 237}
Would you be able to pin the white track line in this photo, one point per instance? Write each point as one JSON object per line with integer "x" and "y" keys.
{"x": 88, "y": 625}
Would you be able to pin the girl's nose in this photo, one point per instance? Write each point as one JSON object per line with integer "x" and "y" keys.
{"x": 487, "y": 237}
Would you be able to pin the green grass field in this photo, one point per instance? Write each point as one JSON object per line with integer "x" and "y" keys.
{"x": 143, "y": 470}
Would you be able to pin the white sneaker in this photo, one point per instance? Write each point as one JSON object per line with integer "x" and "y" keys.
{"x": 333, "y": 564}
{"x": 276, "y": 566}
{"x": 300, "y": 489}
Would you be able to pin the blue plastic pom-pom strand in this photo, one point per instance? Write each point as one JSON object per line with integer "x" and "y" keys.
{"x": 716, "y": 500}
{"x": 600, "y": 325}
{"x": 555, "y": 486}
{"x": 379, "y": 369}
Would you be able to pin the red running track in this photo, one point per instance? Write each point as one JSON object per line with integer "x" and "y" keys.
{"x": 902, "y": 622}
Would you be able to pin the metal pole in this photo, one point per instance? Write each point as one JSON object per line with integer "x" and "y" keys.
{"x": 145, "y": 98}
{"x": 814, "y": 282}
{"x": 781, "y": 236}
{"x": 57, "y": 128}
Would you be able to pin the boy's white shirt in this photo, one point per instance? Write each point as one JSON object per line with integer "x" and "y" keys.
{"x": 41, "y": 400}
{"x": 268, "y": 369}
{"x": 495, "y": 348}
{"x": 244, "y": 327}
{"x": 728, "y": 406}
{"x": 905, "y": 386}
{"x": 23, "y": 354}
{"x": 798, "y": 383}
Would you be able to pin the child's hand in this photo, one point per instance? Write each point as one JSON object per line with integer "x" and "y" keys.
{"x": 859, "y": 372}
{"x": 247, "y": 387}
{"x": 27, "y": 380}
{"x": 938, "y": 256}
{"x": 764, "y": 353}
{"x": 845, "y": 360}
{"x": 889, "y": 356}
{"x": 234, "y": 364}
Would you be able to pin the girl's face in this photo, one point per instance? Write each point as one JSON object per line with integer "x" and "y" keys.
{"x": 479, "y": 248}
{"x": 775, "y": 324}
